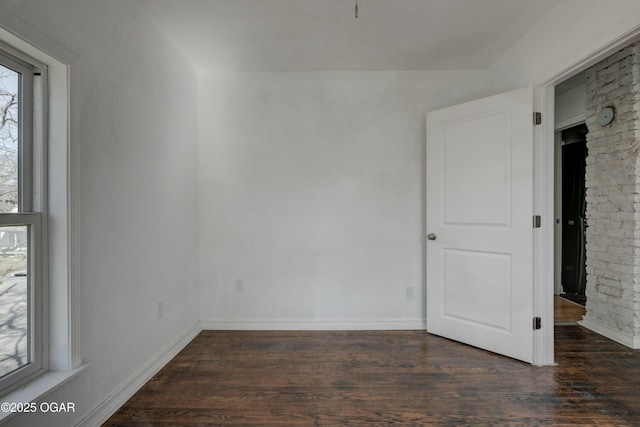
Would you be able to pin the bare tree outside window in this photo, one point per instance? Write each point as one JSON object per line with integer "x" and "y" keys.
{"x": 13, "y": 239}
{"x": 9, "y": 140}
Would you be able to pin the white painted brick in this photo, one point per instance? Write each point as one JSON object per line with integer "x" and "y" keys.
{"x": 613, "y": 192}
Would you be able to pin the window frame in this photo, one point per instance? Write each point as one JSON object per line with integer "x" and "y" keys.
{"x": 31, "y": 213}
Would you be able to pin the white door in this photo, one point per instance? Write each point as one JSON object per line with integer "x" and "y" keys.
{"x": 480, "y": 223}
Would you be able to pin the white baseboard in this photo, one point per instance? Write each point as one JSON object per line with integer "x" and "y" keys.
{"x": 613, "y": 334}
{"x": 115, "y": 400}
{"x": 313, "y": 325}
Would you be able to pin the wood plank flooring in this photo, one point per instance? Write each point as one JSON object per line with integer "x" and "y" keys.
{"x": 385, "y": 378}
{"x": 567, "y": 312}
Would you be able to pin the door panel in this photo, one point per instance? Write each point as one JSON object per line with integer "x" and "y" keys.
{"x": 480, "y": 207}
{"x": 476, "y": 191}
{"x": 489, "y": 283}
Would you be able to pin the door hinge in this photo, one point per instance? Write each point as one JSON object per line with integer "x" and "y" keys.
{"x": 537, "y": 221}
{"x": 537, "y": 323}
{"x": 537, "y": 118}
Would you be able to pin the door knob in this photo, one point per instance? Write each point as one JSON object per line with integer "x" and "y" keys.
{"x": 431, "y": 236}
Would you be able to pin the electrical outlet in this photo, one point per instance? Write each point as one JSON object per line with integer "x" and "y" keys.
{"x": 239, "y": 285}
{"x": 160, "y": 310}
{"x": 410, "y": 292}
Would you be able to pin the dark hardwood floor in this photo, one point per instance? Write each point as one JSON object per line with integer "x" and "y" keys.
{"x": 385, "y": 378}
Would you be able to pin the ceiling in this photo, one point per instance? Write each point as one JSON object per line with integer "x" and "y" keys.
{"x": 282, "y": 35}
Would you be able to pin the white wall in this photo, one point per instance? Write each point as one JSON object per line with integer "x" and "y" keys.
{"x": 312, "y": 194}
{"x": 569, "y": 34}
{"x": 134, "y": 129}
{"x": 570, "y": 107}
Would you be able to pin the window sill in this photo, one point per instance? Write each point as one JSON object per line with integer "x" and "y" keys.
{"x": 38, "y": 388}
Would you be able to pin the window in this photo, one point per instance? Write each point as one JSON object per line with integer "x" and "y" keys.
{"x": 23, "y": 354}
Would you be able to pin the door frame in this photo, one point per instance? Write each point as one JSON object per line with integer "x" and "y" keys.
{"x": 544, "y": 192}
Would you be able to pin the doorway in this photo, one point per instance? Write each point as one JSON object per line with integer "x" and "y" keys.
{"x": 570, "y": 247}
{"x": 570, "y": 207}
{"x": 573, "y": 274}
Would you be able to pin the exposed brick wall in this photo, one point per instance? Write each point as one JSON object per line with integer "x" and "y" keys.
{"x": 613, "y": 193}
